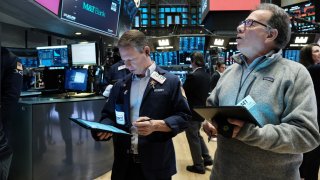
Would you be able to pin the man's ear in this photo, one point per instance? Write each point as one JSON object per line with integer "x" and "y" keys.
{"x": 147, "y": 50}
{"x": 273, "y": 34}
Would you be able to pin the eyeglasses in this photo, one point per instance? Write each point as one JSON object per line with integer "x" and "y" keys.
{"x": 249, "y": 23}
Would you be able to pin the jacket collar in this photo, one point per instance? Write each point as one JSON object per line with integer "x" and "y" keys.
{"x": 269, "y": 58}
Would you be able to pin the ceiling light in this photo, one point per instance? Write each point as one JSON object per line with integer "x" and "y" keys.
{"x": 77, "y": 33}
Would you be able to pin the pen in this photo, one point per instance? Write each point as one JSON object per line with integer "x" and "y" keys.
{"x": 149, "y": 119}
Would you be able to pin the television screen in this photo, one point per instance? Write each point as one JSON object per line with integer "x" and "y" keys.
{"x": 51, "y": 5}
{"x": 28, "y": 57}
{"x": 291, "y": 2}
{"x": 53, "y": 77}
{"x": 181, "y": 74}
{"x": 102, "y": 15}
{"x": 192, "y": 43}
{"x": 50, "y": 56}
{"x": 76, "y": 80}
{"x": 305, "y": 12}
{"x": 29, "y": 62}
{"x": 84, "y": 54}
{"x": 165, "y": 58}
{"x": 292, "y": 54}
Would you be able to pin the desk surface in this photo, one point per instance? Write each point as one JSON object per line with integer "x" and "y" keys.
{"x": 47, "y": 100}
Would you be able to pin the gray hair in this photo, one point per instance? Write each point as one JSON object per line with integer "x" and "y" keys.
{"x": 279, "y": 20}
{"x": 133, "y": 38}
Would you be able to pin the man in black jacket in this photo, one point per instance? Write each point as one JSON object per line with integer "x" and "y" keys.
{"x": 149, "y": 104}
{"x": 197, "y": 88}
{"x": 220, "y": 67}
{"x": 11, "y": 82}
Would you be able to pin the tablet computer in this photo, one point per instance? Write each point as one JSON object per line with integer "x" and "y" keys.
{"x": 98, "y": 126}
{"x": 221, "y": 113}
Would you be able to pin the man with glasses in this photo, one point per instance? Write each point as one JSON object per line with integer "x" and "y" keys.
{"x": 277, "y": 92}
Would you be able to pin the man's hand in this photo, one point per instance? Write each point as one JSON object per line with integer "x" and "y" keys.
{"x": 104, "y": 135}
{"x": 238, "y": 124}
{"x": 144, "y": 125}
{"x": 209, "y": 129}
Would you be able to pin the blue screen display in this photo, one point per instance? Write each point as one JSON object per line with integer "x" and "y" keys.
{"x": 192, "y": 43}
{"x": 101, "y": 15}
{"x": 165, "y": 58}
{"x": 76, "y": 79}
{"x": 292, "y": 54}
{"x": 53, "y": 56}
{"x": 29, "y": 62}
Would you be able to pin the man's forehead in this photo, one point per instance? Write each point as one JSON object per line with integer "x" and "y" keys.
{"x": 260, "y": 15}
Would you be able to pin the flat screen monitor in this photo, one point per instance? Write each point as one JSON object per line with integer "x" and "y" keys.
{"x": 51, "y": 5}
{"x": 50, "y": 56}
{"x": 53, "y": 78}
{"x": 302, "y": 13}
{"x": 292, "y": 54}
{"x": 181, "y": 74}
{"x": 100, "y": 15}
{"x": 192, "y": 43}
{"x": 165, "y": 58}
{"x": 76, "y": 80}
{"x": 84, "y": 54}
{"x": 28, "y": 57}
{"x": 29, "y": 62}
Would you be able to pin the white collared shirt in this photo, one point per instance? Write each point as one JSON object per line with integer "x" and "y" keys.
{"x": 138, "y": 87}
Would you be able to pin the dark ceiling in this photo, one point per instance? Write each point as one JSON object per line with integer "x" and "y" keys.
{"x": 27, "y": 13}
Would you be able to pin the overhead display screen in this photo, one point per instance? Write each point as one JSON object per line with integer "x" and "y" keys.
{"x": 101, "y": 15}
{"x": 233, "y": 5}
{"x": 291, "y": 2}
{"x": 51, "y": 5}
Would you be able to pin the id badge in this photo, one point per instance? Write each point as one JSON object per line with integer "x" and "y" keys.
{"x": 247, "y": 102}
{"x": 120, "y": 117}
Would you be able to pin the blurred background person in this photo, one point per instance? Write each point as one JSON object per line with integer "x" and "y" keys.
{"x": 11, "y": 84}
{"x": 310, "y": 57}
{"x": 196, "y": 88}
{"x": 116, "y": 72}
{"x": 220, "y": 67}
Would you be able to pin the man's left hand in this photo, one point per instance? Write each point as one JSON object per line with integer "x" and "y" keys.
{"x": 238, "y": 124}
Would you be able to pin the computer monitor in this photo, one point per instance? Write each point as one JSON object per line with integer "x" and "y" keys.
{"x": 53, "y": 78}
{"x": 181, "y": 74}
{"x": 76, "y": 80}
{"x": 165, "y": 58}
{"x": 84, "y": 54}
{"x": 192, "y": 43}
{"x": 29, "y": 62}
{"x": 50, "y": 56}
{"x": 292, "y": 54}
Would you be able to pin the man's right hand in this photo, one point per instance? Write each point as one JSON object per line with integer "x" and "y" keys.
{"x": 104, "y": 135}
{"x": 209, "y": 129}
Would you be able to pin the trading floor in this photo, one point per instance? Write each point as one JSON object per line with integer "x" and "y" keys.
{"x": 183, "y": 159}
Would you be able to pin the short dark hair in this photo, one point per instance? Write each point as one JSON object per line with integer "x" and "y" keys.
{"x": 279, "y": 20}
{"x": 306, "y": 55}
{"x": 133, "y": 38}
{"x": 197, "y": 58}
{"x": 219, "y": 63}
